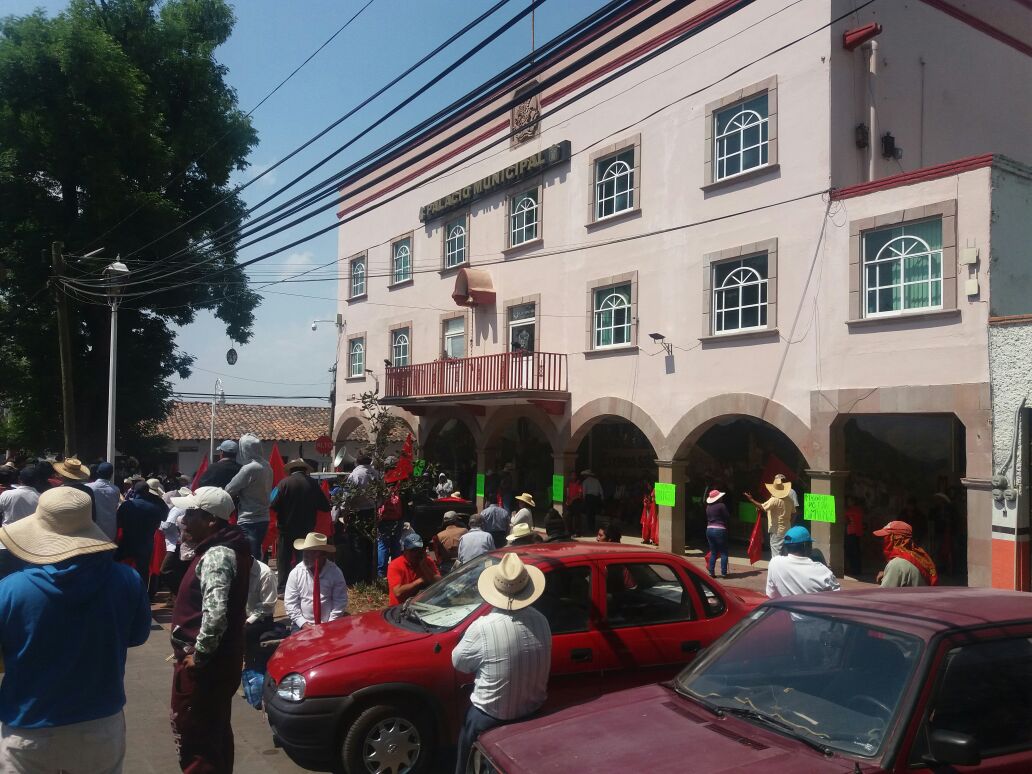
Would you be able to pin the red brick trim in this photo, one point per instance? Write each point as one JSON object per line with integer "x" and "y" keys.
{"x": 917, "y": 176}
{"x": 981, "y": 26}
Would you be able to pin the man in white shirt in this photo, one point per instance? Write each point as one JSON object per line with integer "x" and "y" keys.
{"x": 593, "y": 496}
{"x": 261, "y": 593}
{"x": 524, "y": 515}
{"x": 21, "y": 499}
{"x": 509, "y": 650}
{"x": 795, "y": 572}
{"x": 107, "y": 499}
{"x": 299, "y": 597}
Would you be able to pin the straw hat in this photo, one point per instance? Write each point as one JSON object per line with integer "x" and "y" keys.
{"x": 527, "y": 498}
{"x": 780, "y": 488}
{"x": 72, "y": 469}
{"x": 511, "y": 584}
{"x": 155, "y": 488}
{"x": 298, "y": 464}
{"x": 521, "y": 530}
{"x": 314, "y": 541}
{"x": 714, "y": 495}
{"x": 587, "y": 472}
{"x": 61, "y": 527}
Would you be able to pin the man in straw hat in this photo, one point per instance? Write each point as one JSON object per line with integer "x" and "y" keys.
{"x": 313, "y": 579}
{"x": 73, "y": 474}
{"x": 298, "y": 499}
{"x": 208, "y": 631}
{"x": 66, "y": 620}
{"x": 524, "y": 515}
{"x": 779, "y": 509}
{"x": 509, "y": 651}
{"x": 523, "y": 535}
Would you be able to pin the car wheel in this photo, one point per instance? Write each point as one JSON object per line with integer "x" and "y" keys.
{"x": 387, "y": 739}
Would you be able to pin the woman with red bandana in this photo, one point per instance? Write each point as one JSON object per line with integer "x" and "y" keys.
{"x": 906, "y": 563}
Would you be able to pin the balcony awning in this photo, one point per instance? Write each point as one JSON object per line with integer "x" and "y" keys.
{"x": 473, "y": 287}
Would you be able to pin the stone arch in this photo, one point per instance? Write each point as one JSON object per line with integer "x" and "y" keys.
{"x": 704, "y": 415}
{"x": 592, "y": 412}
{"x": 431, "y": 424}
{"x": 346, "y": 422}
{"x": 500, "y": 420}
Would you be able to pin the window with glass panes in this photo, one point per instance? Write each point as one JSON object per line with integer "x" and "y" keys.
{"x": 522, "y": 325}
{"x": 400, "y": 347}
{"x": 356, "y": 358}
{"x": 523, "y": 217}
{"x": 454, "y": 331}
{"x": 401, "y": 267}
{"x": 740, "y": 294}
{"x": 740, "y": 137}
{"x": 902, "y": 268}
{"x": 612, "y": 316}
{"x": 614, "y": 184}
{"x": 455, "y": 243}
{"x": 358, "y": 277}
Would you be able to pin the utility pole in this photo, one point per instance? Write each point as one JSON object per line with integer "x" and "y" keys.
{"x": 65, "y": 348}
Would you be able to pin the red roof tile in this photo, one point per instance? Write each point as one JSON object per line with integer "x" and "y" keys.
{"x": 192, "y": 421}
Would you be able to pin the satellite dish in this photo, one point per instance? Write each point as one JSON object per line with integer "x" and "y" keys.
{"x": 231, "y": 356}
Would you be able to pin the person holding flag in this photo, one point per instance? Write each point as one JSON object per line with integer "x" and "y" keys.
{"x": 297, "y": 500}
{"x": 316, "y": 591}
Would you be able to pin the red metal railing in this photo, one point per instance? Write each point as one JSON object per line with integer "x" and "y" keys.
{"x": 503, "y": 372}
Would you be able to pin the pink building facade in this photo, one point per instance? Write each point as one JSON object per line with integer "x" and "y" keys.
{"x": 703, "y": 242}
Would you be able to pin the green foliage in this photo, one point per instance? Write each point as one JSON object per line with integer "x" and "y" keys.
{"x": 102, "y": 108}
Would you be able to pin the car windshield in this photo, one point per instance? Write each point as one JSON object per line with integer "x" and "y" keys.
{"x": 449, "y": 601}
{"x": 830, "y": 682}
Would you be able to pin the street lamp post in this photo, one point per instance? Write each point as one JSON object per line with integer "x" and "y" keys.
{"x": 218, "y": 396}
{"x": 118, "y": 274}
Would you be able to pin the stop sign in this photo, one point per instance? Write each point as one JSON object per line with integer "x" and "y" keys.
{"x": 324, "y": 444}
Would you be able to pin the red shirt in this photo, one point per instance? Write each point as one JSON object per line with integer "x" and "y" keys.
{"x": 854, "y": 520}
{"x": 400, "y": 572}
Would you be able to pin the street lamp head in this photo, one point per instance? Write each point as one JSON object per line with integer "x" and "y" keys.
{"x": 117, "y": 274}
{"x": 315, "y": 326}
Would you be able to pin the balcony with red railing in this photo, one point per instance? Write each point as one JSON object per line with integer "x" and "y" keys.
{"x": 502, "y": 375}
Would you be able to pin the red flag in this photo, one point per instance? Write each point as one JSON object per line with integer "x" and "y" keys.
{"x": 276, "y": 463}
{"x": 323, "y": 522}
{"x": 755, "y": 550}
{"x": 403, "y": 469}
{"x": 278, "y": 474}
{"x": 199, "y": 473}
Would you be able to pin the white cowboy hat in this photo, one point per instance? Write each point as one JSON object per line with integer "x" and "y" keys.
{"x": 780, "y": 488}
{"x": 521, "y": 530}
{"x": 714, "y": 495}
{"x": 61, "y": 527}
{"x": 314, "y": 541}
{"x": 511, "y": 584}
{"x": 72, "y": 469}
{"x": 155, "y": 488}
{"x": 527, "y": 498}
{"x": 587, "y": 472}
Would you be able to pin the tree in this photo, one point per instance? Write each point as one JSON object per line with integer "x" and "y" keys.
{"x": 116, "y": 126}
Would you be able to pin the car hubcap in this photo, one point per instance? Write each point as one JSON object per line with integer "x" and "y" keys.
{"x": 391, "y": 747}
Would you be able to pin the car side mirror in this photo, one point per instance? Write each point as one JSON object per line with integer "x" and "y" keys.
{"x": 953, "y": 748}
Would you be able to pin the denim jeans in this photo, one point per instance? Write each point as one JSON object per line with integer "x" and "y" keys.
{"x": 388, "y": 544}
{"x": 474, "y": 725}
{"x": 255, "y": 532}
{"x": 717, "y": 539}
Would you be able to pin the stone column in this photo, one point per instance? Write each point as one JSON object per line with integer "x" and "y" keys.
{"x": 672, "y": 520}
{"x": 827, "y": 536}
{"x": 485, "y": 461}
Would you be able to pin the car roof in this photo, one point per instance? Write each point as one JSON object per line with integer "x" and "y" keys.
{"x": 925, "y": 611}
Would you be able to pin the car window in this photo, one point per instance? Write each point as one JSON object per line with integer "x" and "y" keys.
{"x": 452, "y": 599}
{"x": 566, "y": 601}
{"x": 639, "y": 594}
{"x": 986, "y": 692}
{"x": 713, "y": 603}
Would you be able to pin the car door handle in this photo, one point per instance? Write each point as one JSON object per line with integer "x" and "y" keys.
{"x": 691, "y": 646}
{"x": 581, "y": 655}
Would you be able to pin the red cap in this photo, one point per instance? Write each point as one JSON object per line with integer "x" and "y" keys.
{"x": 895, "y": 528}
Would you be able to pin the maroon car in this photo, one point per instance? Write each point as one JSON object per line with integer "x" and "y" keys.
{"x": 859, "y": 682}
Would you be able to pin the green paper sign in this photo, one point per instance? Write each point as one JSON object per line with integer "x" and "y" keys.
{"x": 666, "y": 494}
{"x": 747, "y": 512}
{"x": 819, "y": 507}
{"x": 418, "y": 468}
{"x": 558, "y": 486}
{"x": 480, "y": 484}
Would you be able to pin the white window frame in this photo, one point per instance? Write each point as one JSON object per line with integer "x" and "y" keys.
{"x": 356, "y": 357}
{"x": 519, "y": 222}
{"x": 738, "y": 126}
{"x": 360, "y": 262}
{"x": 404, "y": 243}
{"x": 600, "y": 309}
{"x": 738, "y": 279}
{"x": 614, "y": 176}
{"x": 401, "y": 352}
{"x": 455, "y": 254}
{"x": 446, "y": 335}
{"x": 901, "y": 255}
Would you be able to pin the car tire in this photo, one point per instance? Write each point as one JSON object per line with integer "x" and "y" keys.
{"x": 389, "y": 739}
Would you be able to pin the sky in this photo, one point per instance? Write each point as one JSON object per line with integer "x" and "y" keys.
{"x": 271, "y": 38}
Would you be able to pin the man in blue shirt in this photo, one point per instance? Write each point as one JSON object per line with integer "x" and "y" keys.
{"x": 67, "y": 617}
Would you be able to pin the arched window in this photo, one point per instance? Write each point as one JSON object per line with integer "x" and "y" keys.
{"x": 523, "y": 217}
{"x": 356, "y": 358}
{"x": 455, "y": 243}
{"x": 402, "y": 266}
{"x": 614, "y": 184}
{"x": 400, "y": 348}
{"x": 903, "y": 268}
{"x": 740, "y": 295}
{"x": 740, "y": 138}
{"x": 358, "y": 277}
{"x": 612, "y": 316}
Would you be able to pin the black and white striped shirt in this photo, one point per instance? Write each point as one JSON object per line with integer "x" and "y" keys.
{"x": 511, "y": 655}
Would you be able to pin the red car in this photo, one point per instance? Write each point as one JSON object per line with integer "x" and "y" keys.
{"x": 864, "y": 682}
{"x": 377, "y": 692}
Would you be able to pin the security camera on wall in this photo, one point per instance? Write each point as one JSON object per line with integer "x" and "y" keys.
{"x": 314, "y": 326}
